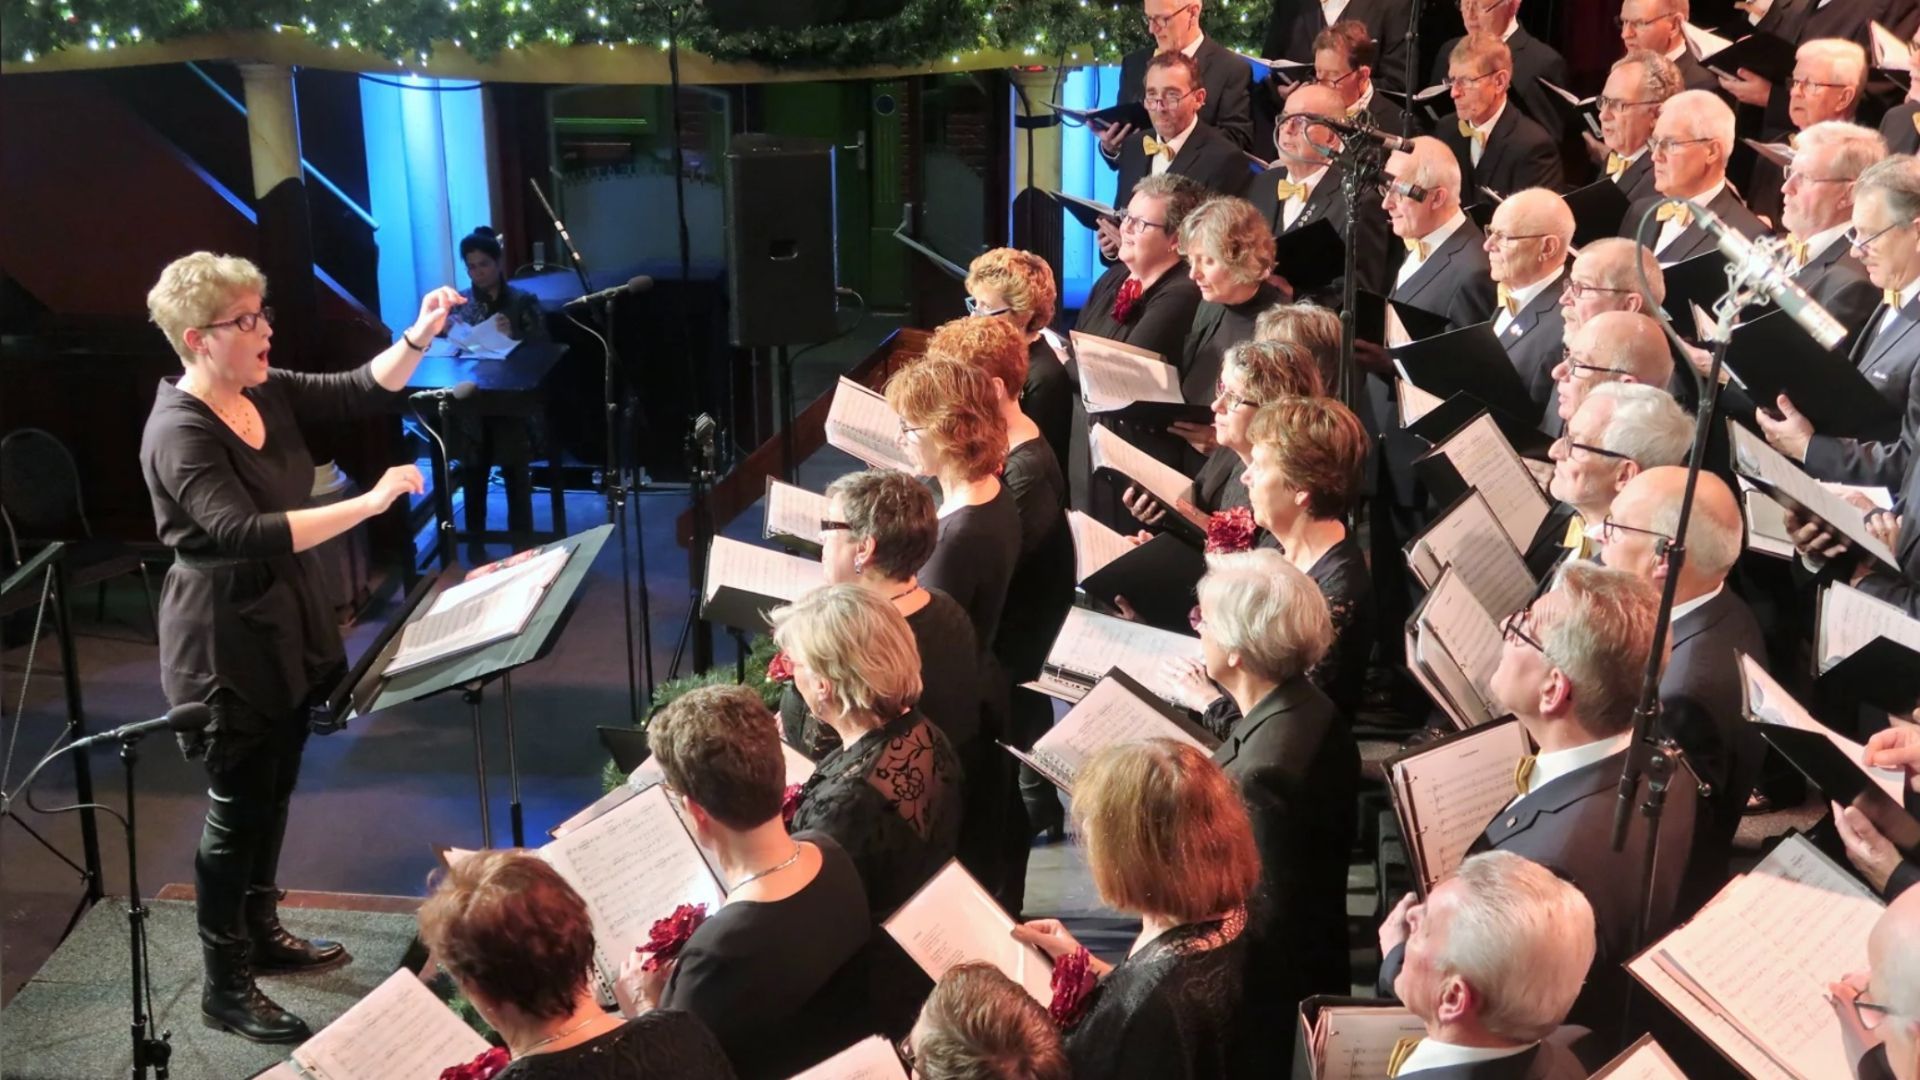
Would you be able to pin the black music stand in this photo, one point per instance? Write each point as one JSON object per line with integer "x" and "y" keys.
{"x": 470, "y": 672}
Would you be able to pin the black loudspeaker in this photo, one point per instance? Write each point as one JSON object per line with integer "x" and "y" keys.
{"x": 782, "y": 265}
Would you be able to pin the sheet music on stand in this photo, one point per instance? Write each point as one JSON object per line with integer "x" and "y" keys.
{"x": 861, "y": 423}
{"x": 1447, "y": 791}
{"x": 1089, "y": 645}
{"x": 478, "y": 612}
{"x": 1467, "y": 537}
{"x": 952, "y": 919}
{"x": 399, "y": 1031}
{"x": 1117, "y": 711}
{"x": 1644, "y": 1060}
{"x": 1487, "y": 462}
{"x": 1750, "y": 972}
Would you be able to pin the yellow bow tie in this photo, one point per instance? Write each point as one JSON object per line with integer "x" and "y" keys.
{"x": 1356, "y": 109}
{"x": 1674, "y": 212}
{"x": 1154, "y": 146}
{"x": 1615, "y": 165}
{"x": 1507, "y": 299}
{"x": 1402, "y": 1048}
{"x": 1793, "y": 141}
{"x": 1892, "y": 297}
{"x": 1576, "y": 538}
{"x": 1799, "y": 249}
{"x": 1287, "y": 190}
{"x": 1418, "y": 249}
{"x": 1522, "y": 773}
{"x": 1468, "y": 131}
{"x": 1916, "y": 123}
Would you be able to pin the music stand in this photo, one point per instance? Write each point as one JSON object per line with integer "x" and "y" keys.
{"x": 470, "y": 672}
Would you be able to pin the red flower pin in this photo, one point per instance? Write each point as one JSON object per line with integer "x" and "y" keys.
{"x": 667, "y": 935}
{"x": 1230, "y": 530}
{"x": 780, "y": 668}
{"x": 485, "y": 1067}
{"x": 789, "y": 805}
{"x": 1073, "y": 980}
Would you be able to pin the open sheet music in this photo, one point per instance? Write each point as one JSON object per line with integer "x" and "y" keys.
{"x": 1106, "y": 450}
{"x": 1486, "y": 461}
{"x": 744, "y": 582}
{"x": 793, "y": 517}
{"x": 1470, "y": 539}
{"x": 1644, "y": 1060}
{"x": 1118, "y": 710}
{"x": 1768, "y": 703}
{"x": 861, "y": 423}
{"x": 1759, "y": 958}
{"x": 1414, "y": 402}
{"x": 1850, "y": 620}
{"x": 1446, "y": 792}
{"x": 1792, "y": 487}
{"x": 1094, "y": 545}
{"x": 1114, "y": 375}
{"x": 1890, "y": 52}
{"x": 952, "y": 920}
{"x": 477, "y": 613}
{"x": 872, "y": 1058}
{"x": 400, "y": 1031}
{"x": 1457, "y": 647}
{"x": 1355, "y": 1042}
{"x": 1091, "y": 644}
{"x": 1767, "y": 531}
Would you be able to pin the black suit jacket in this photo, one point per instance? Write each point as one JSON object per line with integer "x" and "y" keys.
{"x": 1903, "y": 589}
{"x": 1702, "y": 707}
{"x": 1890, "y": 359}
{"x": 1207, "y": 157}
{"x": 1839, "y": 283}
{"x": 1158, "y": 321}
{"x": 1636, "y": 181}
{"x": 1291, "y": 30}
{"x": 1372, "y": 231}
{"x": 1695, "y": 239}
{"x": 1533, "y": 60}
{"x": 1901, "y": 128}
{"x": 1454, "y": 281}
{"x": 1386, "y": 114}
{"x": 1519, "y": 154}
{"x": 1226, "y": 77}
{"x": 1534, "y": 341}
{"x": 1542, "y": 1061}
{"x": 1695, "y": 76}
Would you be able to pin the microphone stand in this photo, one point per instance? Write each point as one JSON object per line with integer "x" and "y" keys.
{"x": 149, "y": 1050}
{"x": 1413, "y": 66}
{"x": 442, "y": 484}
{"x": 1360, "y": 160}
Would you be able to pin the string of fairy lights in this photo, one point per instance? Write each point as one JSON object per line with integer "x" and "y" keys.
{"x": 408, "y": 32}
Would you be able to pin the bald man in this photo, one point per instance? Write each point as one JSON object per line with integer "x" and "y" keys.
{"x": 1701, "y": 703}
{"x": 1691, "y": 145}
{"x": 1892, "y": 983}
{"x": 1304, "y": 186}
{"x": 1612, "y": 346}
{"x": 1603, "y": 278}
{"x": 1501, "y": 150}
{"x": 1444, "y": 265}
{"x": 1527, "y": 244}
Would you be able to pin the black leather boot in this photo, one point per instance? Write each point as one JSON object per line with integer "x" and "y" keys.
{"x": 230, "y": 1001}
{"x": 275, "y": 949}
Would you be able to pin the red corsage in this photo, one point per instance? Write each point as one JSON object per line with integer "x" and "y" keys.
{"x": 1125, "y": 299}
{"x": 1073, "y": 982}
{"x": 780, "y": 668}
{"x": 485, "y": 1067}
{"x": 1230, "y": 531}
{"x": 667, "y": 935}
{"x": 789, "y": 805}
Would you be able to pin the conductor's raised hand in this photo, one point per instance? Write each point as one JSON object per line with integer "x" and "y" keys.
{"x": 395, "y": 482}
{"x": 434, "y": 309}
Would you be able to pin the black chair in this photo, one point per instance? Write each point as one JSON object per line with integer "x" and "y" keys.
{"x": 41, "y": 501}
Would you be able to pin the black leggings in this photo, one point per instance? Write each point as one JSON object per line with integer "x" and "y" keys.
{"x": 253, "y": 762}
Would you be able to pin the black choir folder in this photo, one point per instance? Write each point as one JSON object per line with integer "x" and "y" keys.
{"x": 1789, "y": 485}
{"x": 1125, "y": 465}
{"x": 1469, "y": 360}
{"x": 952, "y": 919}
{"x": 399, "y": 1031}
{"x": 1131, "y": 113}
{"x": 1350, "y": 1038}
{"x": 1772, "y": 355}
{"x": 1311, "y": 257}
{"x": 744, "y": 582}
{"x": 1867, "y": 649}
{"x": 1453, "y": 647}
{"x": 793, "y": 517}
{"x": 1125, "y": 382}
{"x": 1157, "y": 578}
{"x": 1447, "y": 791}
{"x": 1086, "y": 211}
{"x": 1118, "y": 710}
{"x": 1090, "y": 645}
{"x": 1750, "y": 972}
{"x": 1370, "y": 318}
{"x": 1478, "y": 456}
{"x": 1766, "y": 55}
{"x": 1598, "y": 209}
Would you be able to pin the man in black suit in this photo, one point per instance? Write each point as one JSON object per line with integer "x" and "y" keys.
{"x": 1829, "y": 77}
{"x": 1569, "y": 671}
{"x": 1702, "y": 700}
{"x": 1526, "y": 246}
{"x": 1817, "y": 208}
{"x": 1294, "y": 32}
{"x": 1304, "y": 187}
{"x": 1638, "y": 84}
{"x": 1443, "y": 268}
{"x": 1533, "y": 60}
{"x": 1344, "y": 58}
{"x": 1494, "y": 959}
{"x": 1886, "y": 219}
{"x": 1901, "y": 128}
{"x": 1607, "y": 347}
{"x": 1692, "y": 142}
{"x": 1654, "y": 26}
{"x": 1175, "y": 26}
{"x": 1500, "y": 150}
{"x": 1180, "y": 143}
{"x": 1619, "y": 430}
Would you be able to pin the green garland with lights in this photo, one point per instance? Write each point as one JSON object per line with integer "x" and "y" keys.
{"x": 407, "y": 31}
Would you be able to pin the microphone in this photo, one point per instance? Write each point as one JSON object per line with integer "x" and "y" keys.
{"x": 1365, "y": 131}
{"x": 459, "y": 391}
{"x": 180, "y": 718}
{"x": 1759, "y": 262}
{"x": 638, "y": 284}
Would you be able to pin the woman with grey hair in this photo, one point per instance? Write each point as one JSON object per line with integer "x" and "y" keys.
{"x": 980, "y": 1025}
{"x": 1263, "y": 624}
{"x": 1229, "y": 249}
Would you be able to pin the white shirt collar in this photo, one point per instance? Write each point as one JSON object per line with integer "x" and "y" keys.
{"x": 1493, "y": 121}
{"x": 1331, "y": 10}
{"x": 1695, "y": 604}
{"x": 1180, "y": 140}
{"x": 1512, "y": 25}
{"x": 1819, "y": 242}
{"x": 1431, "y": 1053}
{"x": 1365, "y": 102}
{"x": 1706, "y": 197}
{"x": 1447, "y": 228}
{"x": 1555, "y": 764}
{"x": 1679, "y": 50}
{"x": 1311, "y": 181}
{"x": 1194, "y": 45}
{"x": 1525, "y": 294}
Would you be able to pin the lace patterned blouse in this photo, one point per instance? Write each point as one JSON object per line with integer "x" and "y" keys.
{"x": 1166, "y": 1012}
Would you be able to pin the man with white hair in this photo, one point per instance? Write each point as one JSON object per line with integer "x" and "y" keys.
{"x": 1527, "y": 244}
{"x": 1655, "y": 26}
{"x": 1570, "y": 669}
{"x": 1611, "y": 347}
{"x": 1816, "y": 210}
{"x": 1494, "y": 959}
{"x": 1637, "y": 85}
{"x": 1444, "y": 269}
{"x": 1500, "y": 150}
{"x": 1883, "y": 1003}
{"x": 1829, "y": 77}
{"x": 1533, "y": 59}
{"x": 1224, "y": 75}
{"x": 1619, "y": 430}
{"x": 1692, "y": 142}
{"x": 1701, "y": 697}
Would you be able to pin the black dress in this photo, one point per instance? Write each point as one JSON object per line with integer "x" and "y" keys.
{"x": 974, "y": 559}
{"x": 1166, "y": 1012}
{"x": 776, "y": 980}
{"x": 1217, "y": 486}
{"x": 1047, "y": 397}
{"x": 659, "y": 1043}
{"x": 1341, "y": 573}
{"x": 1217, "y": 328}
{"x": 949, "y": 682}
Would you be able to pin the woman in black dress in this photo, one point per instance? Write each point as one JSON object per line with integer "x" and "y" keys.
{"x": 1017, "y": 287}
{"x": 243, "y": 627}
{"x": 1229, "y": 254}
{"x": 882, "y": 531}
{"x": 518, "y": 941}
{"x": 1167, "y": 838}
{"x": 775, "y": 973}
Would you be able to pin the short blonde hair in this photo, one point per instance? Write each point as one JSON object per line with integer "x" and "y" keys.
{"x": 1263, "y": 607}
{"x": 1319, "y": 445}
{"x": 1165, "y": 830}
{"x": 1273, "y": 369}
{"x": 992, "y": 345}
{"x": 1310, "y": 326}
{"x": 194, "y": 289}
{"x": 858, "y": 642}
{"x": 954, "y": 402}
{"x": 1022, "y": 278}
{"x": 1234, "y": 233}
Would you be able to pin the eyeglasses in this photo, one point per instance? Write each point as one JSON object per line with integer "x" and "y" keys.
{"x": 1861, "y": 1007}
{"x": 1495, "y": 236}
{"x": 1804, "y": 85}
{"x": 906, "y": 429}
{"x": 1862, "y": 244}
{"x": 1805, "y": 179}
{"x": 1485, "y": 9}
{"x": 244, "y": 323}
{"x": 1580, "y": 369}
{"x": 1579, "y": 289}
{"x": 1161, "y": 22}
{"x": 1334, "y": 80}
{"x": 1663, "y": 145}
{"x": 1232, "y": 400}
{"x": 828, "y": 525}
{"x": 1164, "y": 98}
{"x": 1135, "y": 223}
{"x": 1614, "y": 104}
{"x": 1513, "y": 629}
{"x": 1454, "y": 81}
{"x": 1610, "y": 531}
{"x": 1572, "y": 446}
{"x": 1641, "y": 24}
{"x": 981, "y": 311}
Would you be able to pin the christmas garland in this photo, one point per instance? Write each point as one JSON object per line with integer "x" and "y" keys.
{"x": 408, "y": 31}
